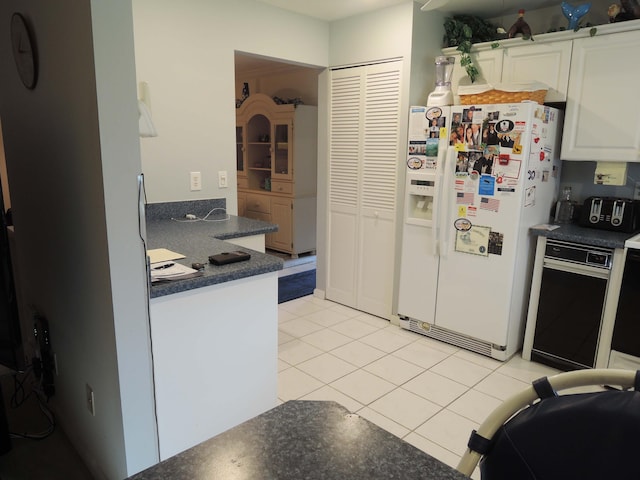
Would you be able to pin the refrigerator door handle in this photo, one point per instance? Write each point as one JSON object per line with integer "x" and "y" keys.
{"x": 446, "y": 188}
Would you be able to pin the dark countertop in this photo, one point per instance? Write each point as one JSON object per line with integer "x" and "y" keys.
{"x": 302, "y": 440}
{"x": 197, "y": 240}
{"x": 587, "y": 236}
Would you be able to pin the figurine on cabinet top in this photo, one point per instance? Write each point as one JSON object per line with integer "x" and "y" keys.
{"x": 520, "y": 26}
{"x": 574, "y": 14}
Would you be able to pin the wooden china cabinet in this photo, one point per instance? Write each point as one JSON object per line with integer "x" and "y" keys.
{"x": 276, "y": 155}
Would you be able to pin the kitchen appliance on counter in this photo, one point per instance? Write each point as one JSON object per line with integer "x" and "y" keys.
{"x": 466, "y": 248}
{"x": 608, "y": 213}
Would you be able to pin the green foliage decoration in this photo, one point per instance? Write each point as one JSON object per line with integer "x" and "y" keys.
{"x": 464, "y": 31}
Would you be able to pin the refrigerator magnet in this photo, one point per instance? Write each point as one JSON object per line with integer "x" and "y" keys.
{"x": 487, "y": 185}
{"x": 462, "y": 224}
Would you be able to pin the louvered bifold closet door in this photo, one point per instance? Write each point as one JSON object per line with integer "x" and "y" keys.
{"x": 364, "y": 154}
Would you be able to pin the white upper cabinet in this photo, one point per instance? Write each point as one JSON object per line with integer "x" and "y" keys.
{"x": 488, "y": 63}
{"x": 521, "y": 62}
{"x": 602, "y": 120}
{"x": 547, "y": 63}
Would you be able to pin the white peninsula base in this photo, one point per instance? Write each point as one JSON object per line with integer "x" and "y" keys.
{"x": 215, "y": 353}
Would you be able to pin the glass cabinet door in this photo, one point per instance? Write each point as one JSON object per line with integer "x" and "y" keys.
{"x": 259, "y": 153}
{"x": 240, "y": 163}
{"x": 282, "y": 150}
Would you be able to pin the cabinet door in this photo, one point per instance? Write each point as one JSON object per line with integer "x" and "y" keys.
{"x": 258, "y": 151}
{"x": 240, "y": 150}
{"x": 282, "y": 151}
{"x": 364, "y": 147}
{"x": 602, "y": 120}
{"x": 242, "y": 204}
{"x": 488, "y": 62}
{"x": 546, "y": 62}
{"x": 281, "y": 215}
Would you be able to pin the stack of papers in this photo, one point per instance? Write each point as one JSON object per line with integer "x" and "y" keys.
{"x": 165, "y": 271}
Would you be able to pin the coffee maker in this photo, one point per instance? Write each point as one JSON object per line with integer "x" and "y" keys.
{"x": 442, "y": 94}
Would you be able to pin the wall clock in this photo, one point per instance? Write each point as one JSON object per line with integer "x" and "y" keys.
{"x": 24, "y": 52}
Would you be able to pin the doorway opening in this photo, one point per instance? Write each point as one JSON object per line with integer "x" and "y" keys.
{"x": 269, "y": 189}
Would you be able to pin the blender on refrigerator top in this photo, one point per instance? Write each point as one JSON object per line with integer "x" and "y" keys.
{"x": 442, "y": 94}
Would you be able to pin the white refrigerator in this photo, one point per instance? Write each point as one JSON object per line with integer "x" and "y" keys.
{"x": 473, "y": 190}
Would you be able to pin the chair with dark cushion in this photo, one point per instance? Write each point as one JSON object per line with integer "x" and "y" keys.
{"x": 538, "y": 434}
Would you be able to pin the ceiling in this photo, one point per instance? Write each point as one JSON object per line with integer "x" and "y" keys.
{"x": 331, "y": 10}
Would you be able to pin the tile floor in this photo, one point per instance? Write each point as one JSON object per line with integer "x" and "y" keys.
{"x": 428, "y": 393}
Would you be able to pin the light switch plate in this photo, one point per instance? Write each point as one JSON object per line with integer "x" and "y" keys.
{"x": 222, "y": 179}
{"x": 196, "y": 181}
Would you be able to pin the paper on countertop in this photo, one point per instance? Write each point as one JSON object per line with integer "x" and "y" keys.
{"x": 171, "y": 271}
{"x": 546, "y": 226}
{"x": 162, "y": 255}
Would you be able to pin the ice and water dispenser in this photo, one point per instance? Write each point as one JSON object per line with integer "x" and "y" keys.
{"x": 421, "y": 197}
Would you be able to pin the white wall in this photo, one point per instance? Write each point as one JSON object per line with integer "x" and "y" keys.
{"x": 185, "y": 51}
{"x": 72, "y": 155}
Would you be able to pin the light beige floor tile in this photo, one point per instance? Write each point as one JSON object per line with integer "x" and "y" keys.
{"x": 358, "y": 353}
{"x": 421, "y": 353}
{"x": 394, "y": 369}
{"x": 405, "y": 408}
{"x": 299, "y": 327}
{"x": 326, "y": 339}
{"x": 474, "y": 405}
{"x": 501, "y": 386}
{"x": 284, "y": 337}
{"x": 321, "y": 302}
{"x": 293, "y": 384}
{"x": 449, "y": 430}
{"x": 282, "y": 365}
{"x": 525, "y": 370}
{"x": 326, "y": 367}
{"x": 445, "y": 456}
{"x": 383, "y": 422}
{"x": 326, "y": 317}
{"x": 372, "y": 320}
{"x": 436, "y": 388}
{"x": 344, "y": 310}
{"x": 297, "y": 351}
{"x": 386, "y": 341}
{"x": 362, "y": 386}
{"x": 461, "y": 371}
{"x": 354, "y": 328}
{"x": 300, "y": 307}
{"x": 327, "y": 393}
{"x": 284, "y": 315}
{"x": 482, "y": 360}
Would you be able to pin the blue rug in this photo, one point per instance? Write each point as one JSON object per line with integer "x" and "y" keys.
{"x": 296, "y": 285}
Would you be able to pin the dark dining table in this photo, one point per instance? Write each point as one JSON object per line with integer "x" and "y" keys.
{"x": 302, "y": 440}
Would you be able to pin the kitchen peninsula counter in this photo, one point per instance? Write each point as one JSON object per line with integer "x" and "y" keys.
{"x": 587, "y": 236}
{"x": 214, "y": 337}
{"x": 197, "y": 240}
{"x": 303, "y": 439}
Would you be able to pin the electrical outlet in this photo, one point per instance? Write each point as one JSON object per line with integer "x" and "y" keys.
{"x": 196, "y": 181}
{"x": 636, "y": 191}
{"x": 222, "y": 179}
{"x": 91, "y": 400}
